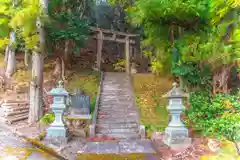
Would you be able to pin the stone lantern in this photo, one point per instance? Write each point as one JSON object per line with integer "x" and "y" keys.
{"x": 176, "y": 134}
{"x": 57, "y": 128}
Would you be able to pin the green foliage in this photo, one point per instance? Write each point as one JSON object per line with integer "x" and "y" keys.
{"x": 121, "y": 2}
{"x": 157, "y": 67}
{"x": 47, "y": 119}
{"x": 215, "y": 116}
{"x": 120, "y": 64}
{"x": 60, "y": 23}
{"x": 20, "y": 18}
{"x": 198, "y": 28}
{"x": 193, "y": 75}
{"x": 66, "y": 23}
{"x": 93, "y": 103}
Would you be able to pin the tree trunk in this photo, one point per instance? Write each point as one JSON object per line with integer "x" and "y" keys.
{"x": 6, "y": 54}
{"x": 63, "y": 70}
{"x": 36, "y": 89}
{"x": 67, "y": 53}
{"x": 11, "y": 59}
{"x": 11, "y": 63}
{"x": 26, "y": 58}
{"x": 58, "y": 69}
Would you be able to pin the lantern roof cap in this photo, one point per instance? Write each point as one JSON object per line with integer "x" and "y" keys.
{"x": 175, "y": 92}
{"x": 59, "y": 90}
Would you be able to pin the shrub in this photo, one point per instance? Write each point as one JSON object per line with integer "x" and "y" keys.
{"x": 119, "y": 65}
{"x": 47, "y": 118}
{"x": 217, "y": 116}
{"x": 93, "y": 103}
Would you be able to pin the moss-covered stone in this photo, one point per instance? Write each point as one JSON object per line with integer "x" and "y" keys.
{"x": 45, "y": 148}
{"x": 132, "y": 156}
{"x": 75, "y": 118}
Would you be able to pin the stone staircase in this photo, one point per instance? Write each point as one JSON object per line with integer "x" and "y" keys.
{"x": 117, "y": 116}
{"x": 117, "y": 112}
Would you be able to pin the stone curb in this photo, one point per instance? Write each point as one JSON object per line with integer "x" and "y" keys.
{"x": 36, "y": 142}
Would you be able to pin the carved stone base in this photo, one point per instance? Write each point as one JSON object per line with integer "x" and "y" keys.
{"x": 142, "y": 131}
{"x": 57, "y": 140}
{"x": 177, "y": 137}
{"x": 55, "y": 131}
{"x": 78, "y": 126}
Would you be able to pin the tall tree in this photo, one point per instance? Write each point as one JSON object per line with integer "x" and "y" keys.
{"x": 193, "y": 29}
{"x": 68, "y": 29}
{"x": 10, "y": 60}
{"x": 10, "y": 55}
{"x": 36, "y": 88}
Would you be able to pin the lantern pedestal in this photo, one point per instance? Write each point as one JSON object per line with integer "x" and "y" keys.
{"x": 176, "y": 137}
{"x": 176, "y": 134}
{"x": 58, "y": 132}
{"x": 57, "y": 128}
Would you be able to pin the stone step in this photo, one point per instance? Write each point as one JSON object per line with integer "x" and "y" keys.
{"x": 112, "y": 86}
{"x": 116, "y": 130}
{"x": 117, "y": 115}
{"x": 121, "y": 88}
{"x": 117, "y": 125}
{"x": 124, "y": 101}
{"x": 114, "y": 116}
{"x": 115, "y": 78}
{"x": 114, "y": 102}
{"x": 113, "y": 96}
{"x": 125, "y": 149}
{"x": 115, "y": 90}
{"x": 120, "y": 98}
{"x": 120, "y": 119}
{"x": 117, "y": 110}
{"x": 116, "y": 97}
{"x": 121, "y": 135}
{"x": 127, "y": 120}
{"x": 116, "y": 105}
{"x": 116, "y": 94}
{"x": 117, "y": 85}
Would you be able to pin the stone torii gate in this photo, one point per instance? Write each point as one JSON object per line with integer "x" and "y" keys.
{"x": 128, "y": 39}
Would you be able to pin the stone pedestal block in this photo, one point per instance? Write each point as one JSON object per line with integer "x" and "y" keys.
{"x": 142, "y": 132}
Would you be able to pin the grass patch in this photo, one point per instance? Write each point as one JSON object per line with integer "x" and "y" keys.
{"x": 89, "y": 82}
{"x": 148, "y": 90}
{"x": 22, "y": 76}
{"x": 85, "y": 80}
